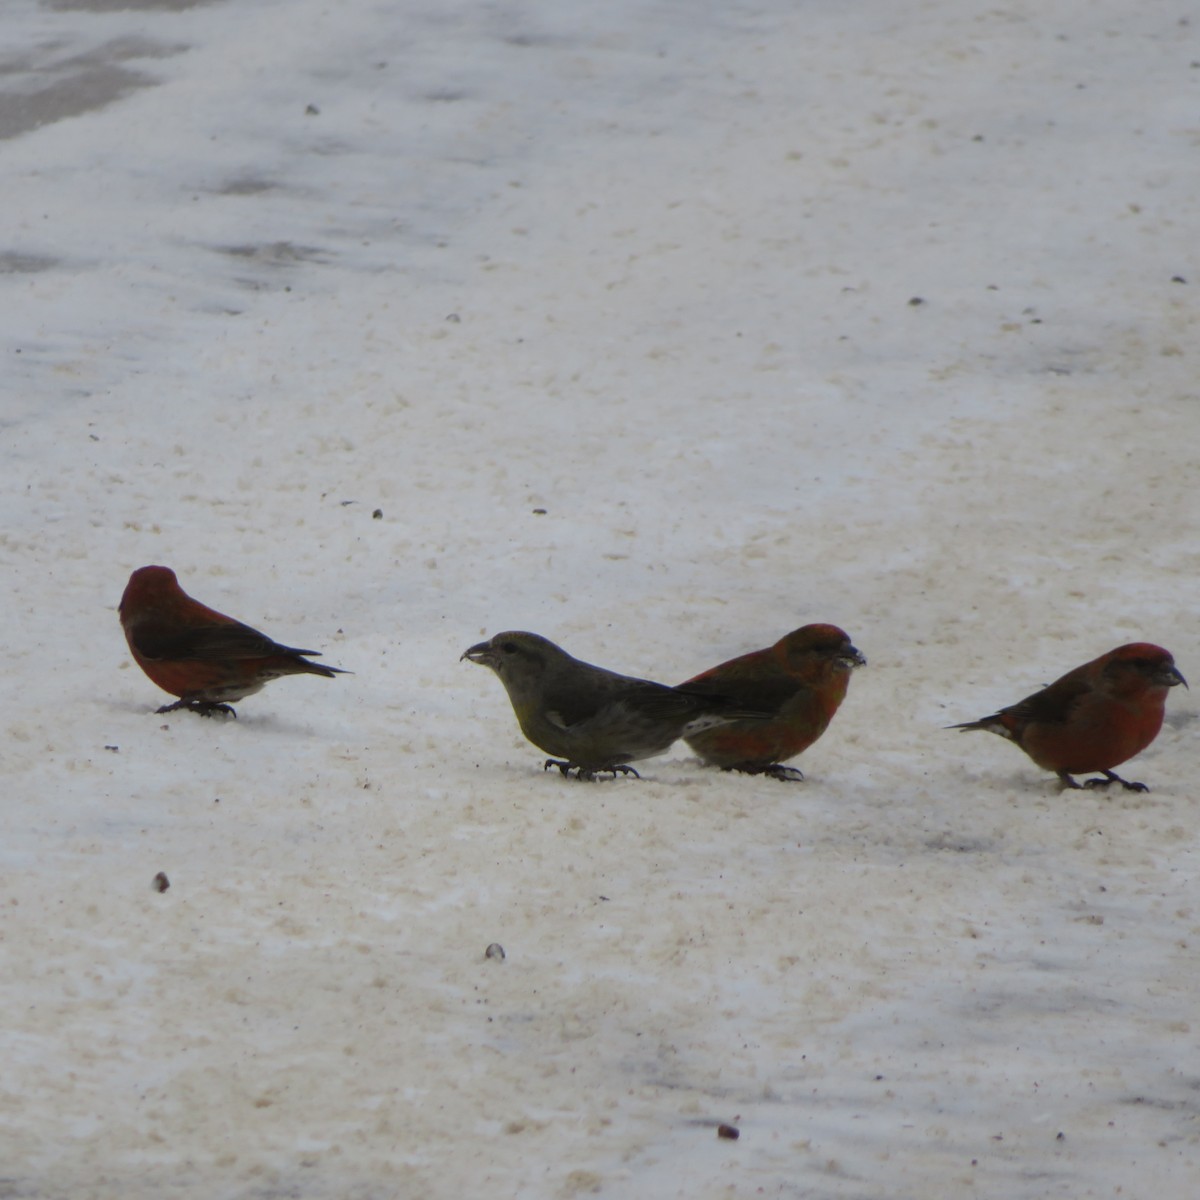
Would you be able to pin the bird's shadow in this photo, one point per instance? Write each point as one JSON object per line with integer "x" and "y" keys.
{"x": 270, "y": 723}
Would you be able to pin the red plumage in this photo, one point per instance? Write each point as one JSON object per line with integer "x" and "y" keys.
{"x": 1095, "y": 717}
{"x": 200, "y": 655}
{"x": 801, "y": 681}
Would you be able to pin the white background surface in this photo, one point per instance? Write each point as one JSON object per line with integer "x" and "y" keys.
{"x": 648, "y": 266}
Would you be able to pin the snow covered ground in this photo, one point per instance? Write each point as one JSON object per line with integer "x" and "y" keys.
{"x": 881, "y": 314}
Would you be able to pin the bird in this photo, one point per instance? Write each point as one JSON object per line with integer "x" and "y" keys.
{"x": 1094, "y": 718}
{"x": 801, "y": 681}
{"x": 590, "y": 719}
{"x": 200, "y": 655}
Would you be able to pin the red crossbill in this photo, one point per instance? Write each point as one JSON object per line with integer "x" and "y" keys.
{"x": 593, "y": 719}
{"x": 800, "y": 680}
{"x": 202, "y": 656}
{"x": 1095, "y": 717}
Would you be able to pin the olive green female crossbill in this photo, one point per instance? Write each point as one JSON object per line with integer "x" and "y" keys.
{"x": 593, "y": 720}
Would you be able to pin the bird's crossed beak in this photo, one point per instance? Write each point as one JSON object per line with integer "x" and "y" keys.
{"x": 479, "y": 653}
{"x": 853, "y": 657}
{"x": 1170, "y": 676}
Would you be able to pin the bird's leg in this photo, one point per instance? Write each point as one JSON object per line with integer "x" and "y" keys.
{"x": 1067, "y": 781}
{"x": 206, "y": 708}
{"x": 1130, "y": 785}
{"x": 771, "y": 771}
{"x": 588, "y": 773}
{"x": 783, "y": 774}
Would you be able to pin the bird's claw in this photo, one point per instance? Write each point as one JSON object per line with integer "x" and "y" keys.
{"x": 1130, "y": 785}
{"x": 771, "y": 771}
{"x": 206, "y": 708}
{"x": 784, "y": 774}
{"x": 565, "y": 768}
{"x": 623, "y": 769}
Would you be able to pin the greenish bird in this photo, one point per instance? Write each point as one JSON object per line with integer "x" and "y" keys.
{"x": 593, "y": 720}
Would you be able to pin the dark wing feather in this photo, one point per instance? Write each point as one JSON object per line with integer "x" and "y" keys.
{"x": 233, "y": 641}
{"x": 660, "y": 702}
{"x": 581, "y": 698}
{"x": 1054, "y": 704}
{"x": 766, "y": 694}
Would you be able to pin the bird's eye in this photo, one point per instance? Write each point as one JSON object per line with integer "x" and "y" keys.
{"x": 509, "y": 647}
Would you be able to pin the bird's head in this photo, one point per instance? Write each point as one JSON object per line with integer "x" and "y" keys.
{"x": 146, "y": 587}
{"x": 1146, "y": 663}
{"x": 827, "y": 643}
{"x": 520, "y": 659}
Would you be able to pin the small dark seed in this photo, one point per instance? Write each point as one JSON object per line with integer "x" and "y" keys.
{"x": 732, "y": 1132}
{"x": 495, "y": 950}
{"x": 161, "y": 882}
{"x": 377, "y": 515}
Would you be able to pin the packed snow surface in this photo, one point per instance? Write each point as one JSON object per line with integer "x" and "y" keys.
{"x": 660, "y": 329}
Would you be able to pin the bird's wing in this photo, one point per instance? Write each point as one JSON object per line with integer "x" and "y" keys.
{"x": 1054, "y": 704}
{"x": 660, "y": 702}
{"x": 582, "y": 699}
{"x": 232, "y": 641}
{"x": 769, "y": 692}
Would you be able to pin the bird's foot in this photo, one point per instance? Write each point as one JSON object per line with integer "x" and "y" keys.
{"x": 1130, "y": 785}
{"x": 565, "y": 768}
{"x": 206, "y": 708}
{"x": 771, "y": 771}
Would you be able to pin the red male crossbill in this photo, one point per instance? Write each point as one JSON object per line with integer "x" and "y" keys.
{"x": 202, "y": 656}
{"x": 800, "y": 680}
{"x": 1095, "y": 717}
{"x": 594, "y": 719}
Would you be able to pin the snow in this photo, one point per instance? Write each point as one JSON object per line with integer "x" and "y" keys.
{"x": 875, "y": 314}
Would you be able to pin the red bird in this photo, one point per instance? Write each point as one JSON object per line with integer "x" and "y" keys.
{"x": 800, "y": 681}
{"x": 1094, "y": 717}
{"x": 202, "y": 656}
